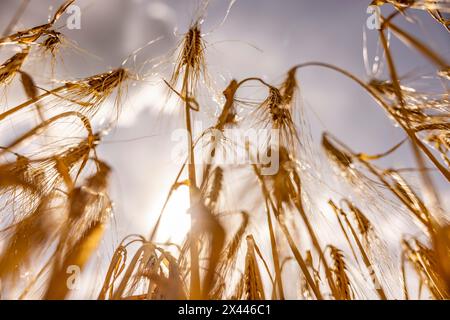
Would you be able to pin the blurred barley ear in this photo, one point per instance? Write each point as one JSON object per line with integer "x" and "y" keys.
{"x": 56, "y": 208}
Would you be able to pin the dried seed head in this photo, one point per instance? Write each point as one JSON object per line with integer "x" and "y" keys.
{"x": 26, "y": 37}
{"x": 407, "y": 194}
{"x": 215, "y": 188}
{"x": 288, "y": 87}
{"x": 441, "y": 142}
{"x": 275, "y": 114}
{"x": 193, "y": 48}
{"x": 364, "y": 225}
{"x": 11, "y": 66}
{"x": 228, "y": 114}
{"x": 91, "y": 92}
{"x": 52, "y": 42}
{"x": 340, "y": 157}
{"x": 419, "y": 109}
{"x": 275, "y": 106}
{"x": 339, "y": 271}
{"x": 416, "y": 4}
{"x": 22, "y": 164}
{"x": 192, "y": 60}
{"x": 426, "y": 265}
{"x": 253, "y": 287}
{"x": 386, "y": 88}
{"x": 61, "y": 11}
{"x": 105, "y": 83}
{"x": 441, "y": 17}
{"x": 73, "y": 155}
{"x": 285, "y": 184}
{"x": 91, "y": 192}
{"x": 31, "y": 35}
{"x": 29, "y": 237}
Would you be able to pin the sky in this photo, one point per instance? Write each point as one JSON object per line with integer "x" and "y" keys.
{"x": 261, "y": 38}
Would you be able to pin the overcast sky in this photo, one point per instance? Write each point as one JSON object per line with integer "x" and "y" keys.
{"x": 261, "y": 38}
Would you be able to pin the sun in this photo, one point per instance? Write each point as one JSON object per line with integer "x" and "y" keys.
{"x": 175, "y": 222}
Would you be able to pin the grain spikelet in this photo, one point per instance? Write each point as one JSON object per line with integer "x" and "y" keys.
{"x": 11, "y": 66}
{"x": 86, "y": 95}
{"x": 409, "y": 198}
{"x": 32, "y": 92}
{"x": 340, "y": 274}
{"x": 228, "y": 260}
{"x": 191, "y": 60}
{"x": 28, "y": 237}
{"x": 215, "y": 188}
{"x": 436, "y": 8}
{"x": 30, "y": 36}
{"x": 442, "y": 249}
{"x": 253, "y": 285}
{"x": 44, "y": 125}
{"x": 116, "y": 266}
{"x": 364, "y": 225}
{"x": 425, "y": 263}
{"x": 340, "y": 157}
{"x": 228, "y": 115}
{"x": 288, "y": 88}
{"x": 169, "y": 287}
{"x": 78, "y": 256}
{"x": 144, "y": 260}
{"x": 83, "y": 230}
{"x": 274, "y": 113}
{"x": 367, "y": 262}
{"x": 206, "y": 223}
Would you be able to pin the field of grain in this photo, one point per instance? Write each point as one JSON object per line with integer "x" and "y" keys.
{"x": 224, "y": 150}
